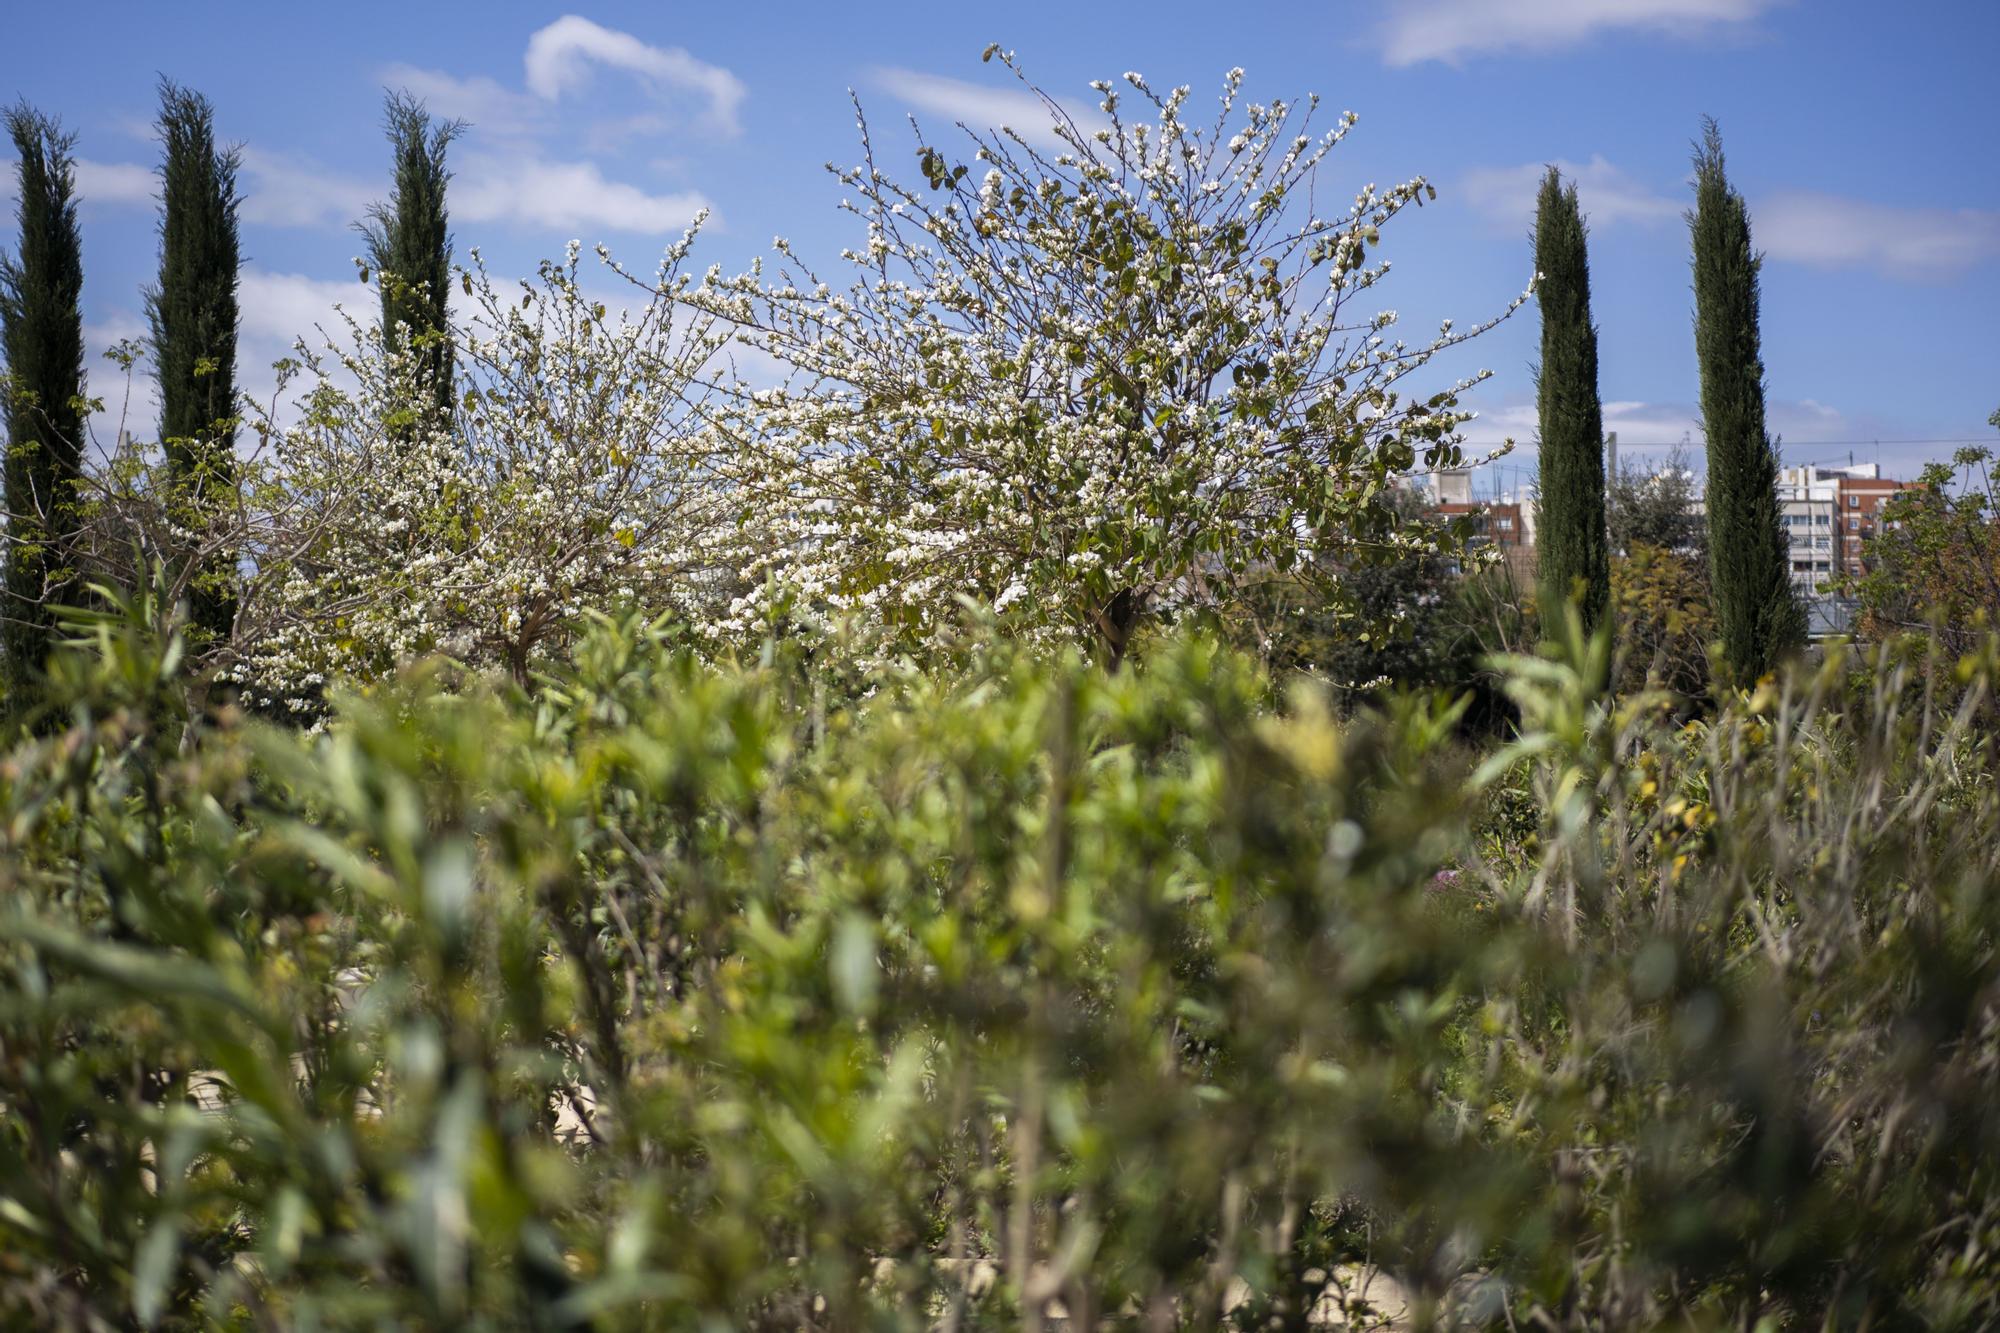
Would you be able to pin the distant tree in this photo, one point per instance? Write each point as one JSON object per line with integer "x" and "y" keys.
{"x": 1656, "y": 508}
{"x": 41, "y": 328}
{"x": 1749, "y": 553}
{"x": 409, "y": 242}
{"x": 1934, "y": 565}
{"x": 1395, "y": 627}
{"x": 194, "y": 317}
{"x": 1571, "y": 540}
{"x": 1666, "y": 620}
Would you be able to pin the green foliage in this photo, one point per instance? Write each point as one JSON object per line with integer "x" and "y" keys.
{"x": 194, "y": 318}
{"x": 1659, "y": 508}
{"x": 408, "y": 243}
{"x": 1933, "y": 567}
{"x": 1570, "y": 541}
{"x": 1757, "y": 610}
{"x": 41, "y": 333}
{"x": 1666, "y": 621}
{"x": 682, "y": 996}
{"x": 1395, "y": 625}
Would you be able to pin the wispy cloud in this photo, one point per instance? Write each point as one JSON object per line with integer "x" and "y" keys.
{"x": 560, "y": 57}
{"x": 280, "y": 307}
{"x": 525, "y": 170}
{"x": 490, "y": 107}
{"x": 280, "y": 189}
{"x": 121, "y": 184}
{"x": 1828, "y": 231}
{"x": 1608, "y": 195}
{"x": 291, "y": 190}
{"x": 1450, "y": 30}
{"x": 132, "y": 405}
{"x": 115, "y": 183}
{"x": 573, "y": 195}
{"x": 978, "y": 106}
{"x": 1806, "y": 429}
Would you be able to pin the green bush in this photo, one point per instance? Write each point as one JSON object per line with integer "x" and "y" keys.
{"x": 680, "y": 995}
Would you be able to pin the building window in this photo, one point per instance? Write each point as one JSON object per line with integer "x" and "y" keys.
{"x": 1853, "y": 524}
{"x": 1854, "y": 502}
{"x": 1504, "y": 524}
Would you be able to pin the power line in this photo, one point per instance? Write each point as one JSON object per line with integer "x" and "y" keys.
{"x": 1624, "y": 443}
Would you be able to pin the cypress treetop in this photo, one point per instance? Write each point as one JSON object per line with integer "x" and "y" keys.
{"x": 1749, "y": 553}
{"x": 41, "y": 331}
{"x": 1571, "y": 544}
{"x": 408, "y": 240}
{"x": 193, "y": 312}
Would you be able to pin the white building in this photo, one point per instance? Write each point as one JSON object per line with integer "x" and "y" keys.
{"x": 1809, "y": 505}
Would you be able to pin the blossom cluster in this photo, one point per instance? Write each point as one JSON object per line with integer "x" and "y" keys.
{"x": 1094, "y": 386}
{"x": 1126, "y": 380}
{"x": 579, "y": 471}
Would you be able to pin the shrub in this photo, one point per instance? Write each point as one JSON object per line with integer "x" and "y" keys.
{"x": 674, "y": 995}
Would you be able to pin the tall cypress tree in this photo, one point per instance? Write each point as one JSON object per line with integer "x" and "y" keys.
{"x": 1572, "y": 543}
{"x": 409, "y": 242}
{"x": 1749, "y": 554}
{"x": 194, "y": 319}
{"x": 41, "y": 329}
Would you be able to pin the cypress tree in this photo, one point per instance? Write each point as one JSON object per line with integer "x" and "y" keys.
{"x": 194, "y": 318}
{"x": 41, "y": 329}
{"x": 1572, "y": 543}
{"x": 1749, "y": 554}
{"x": 409, "y": 243}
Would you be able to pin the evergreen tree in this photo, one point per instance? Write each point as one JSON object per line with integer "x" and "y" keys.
{"x": 194, "y": 319}
{"x": 409, "y": 245}
{"x": 1571, "y": 543}
{"x": 1749, "y": 554}
{"x": 41, "y": 329}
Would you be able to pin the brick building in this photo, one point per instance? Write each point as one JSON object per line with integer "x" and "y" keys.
{"x": 1858, "y": 510}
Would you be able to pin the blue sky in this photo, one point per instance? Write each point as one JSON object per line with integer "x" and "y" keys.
{"x": 1862, "y": 134}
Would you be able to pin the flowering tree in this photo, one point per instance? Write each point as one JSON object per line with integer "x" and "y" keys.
{"x": 579, "y": 471}
{"x": 1102, "y": 383}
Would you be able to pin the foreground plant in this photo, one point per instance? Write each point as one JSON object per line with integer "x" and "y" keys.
{"x": 677, "y": 996}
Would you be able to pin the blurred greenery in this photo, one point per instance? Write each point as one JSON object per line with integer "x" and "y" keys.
{"x": 669, "y": 994}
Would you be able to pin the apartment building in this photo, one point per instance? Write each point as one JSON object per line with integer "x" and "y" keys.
{"x": 1809, "y": 504}
{"x": 1830, "y": 513}
{"x": 1504, "y": 522}
{"x": 1862, "y": 492}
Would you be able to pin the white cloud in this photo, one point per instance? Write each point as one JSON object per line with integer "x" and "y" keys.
{"x": 559, "y": 57}
{"x": 1806, "y": 430}
{"x": 282, "y": 189}
{"x": 1449, "y": 30}
{"x": 979, "y": 106}
{"x": 484, "y": 103}
{"x": 572, "y": 195}
{"x": 1608, "y": 196}
{"x": 289, "y": 190}
{"x": 280, "y": 307}
{"x": 527, "y": 178}
{"x": 132, "y": 405}
{"x": 1828, "y": 231}
{"x": 116, "y": 183}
